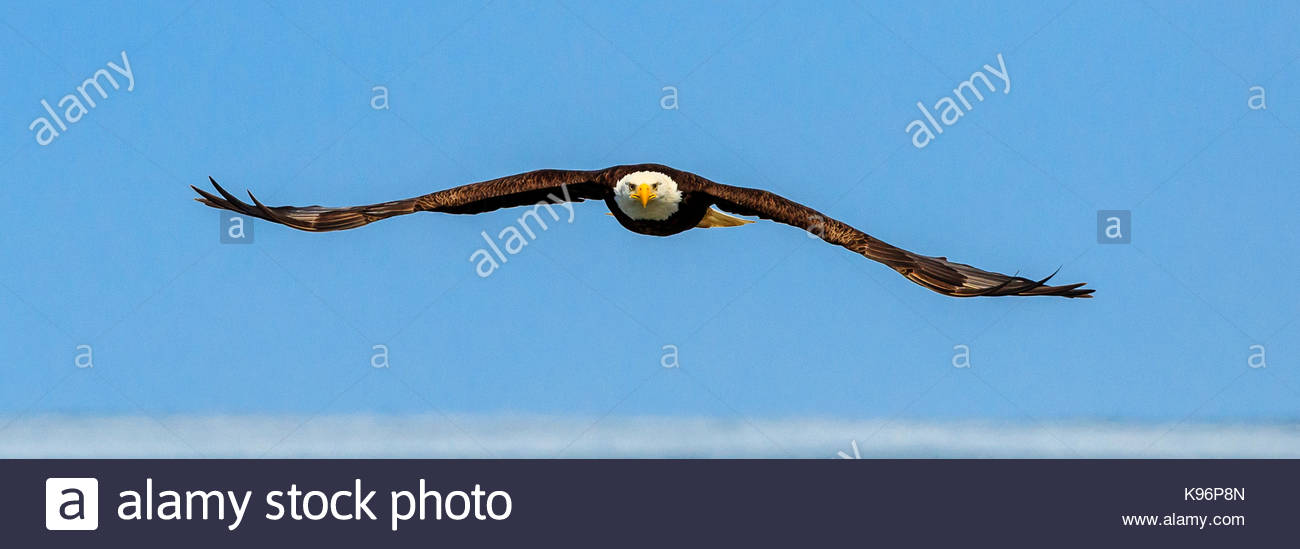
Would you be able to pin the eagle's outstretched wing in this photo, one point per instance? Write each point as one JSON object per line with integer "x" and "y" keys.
{"x": 935, "y": 273}
{"x": 525, "y": 189}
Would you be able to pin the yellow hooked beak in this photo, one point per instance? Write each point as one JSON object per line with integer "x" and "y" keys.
{"x": 645, "y": 193}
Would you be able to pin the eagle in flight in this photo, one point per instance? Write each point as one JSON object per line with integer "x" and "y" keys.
{"x": 657, "y": 200}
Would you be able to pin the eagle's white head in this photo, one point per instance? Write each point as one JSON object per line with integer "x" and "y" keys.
{"x": 647, "y": 195}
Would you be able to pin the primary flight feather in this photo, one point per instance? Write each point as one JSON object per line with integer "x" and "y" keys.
{"x": 655, "y": 200}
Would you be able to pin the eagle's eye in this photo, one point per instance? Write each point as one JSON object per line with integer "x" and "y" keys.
{"x": 656, "y": 185}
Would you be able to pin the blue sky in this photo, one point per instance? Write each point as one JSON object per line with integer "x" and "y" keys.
{"x": 1112, "y": 106}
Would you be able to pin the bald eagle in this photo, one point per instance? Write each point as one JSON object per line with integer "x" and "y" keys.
{"x": 656, "y": 200}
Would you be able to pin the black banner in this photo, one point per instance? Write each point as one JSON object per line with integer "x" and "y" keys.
{"x": 609, "y": 503}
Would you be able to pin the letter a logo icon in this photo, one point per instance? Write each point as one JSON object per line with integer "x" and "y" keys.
{"x": 71, "y": 504}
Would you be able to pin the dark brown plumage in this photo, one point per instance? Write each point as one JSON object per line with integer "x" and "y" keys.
{"x": 698, "y": 194}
